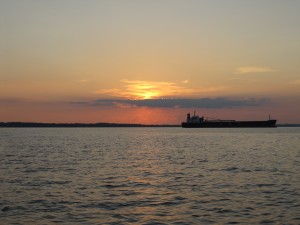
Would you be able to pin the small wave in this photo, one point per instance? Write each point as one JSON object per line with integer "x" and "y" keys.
{"x": 231, "y": 169}
{"x": 266, "y": 221}
{"x": 154, "y": 223}
{"x": 111, "y": 205}
{"x": 112, "y": 186}
{"x": 265, "y": 185}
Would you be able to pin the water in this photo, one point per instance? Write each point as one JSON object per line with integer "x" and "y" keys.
{"x": 149, "y": 176}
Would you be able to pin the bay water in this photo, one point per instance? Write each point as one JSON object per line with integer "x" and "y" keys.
{"x": 149, "y": 176}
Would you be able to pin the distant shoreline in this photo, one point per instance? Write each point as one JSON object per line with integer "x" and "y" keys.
{"x": 62, "y": 125}
{"x": 32, "y": 124}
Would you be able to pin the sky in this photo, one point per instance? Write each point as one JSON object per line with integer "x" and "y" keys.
{"x": 149, "y": 61}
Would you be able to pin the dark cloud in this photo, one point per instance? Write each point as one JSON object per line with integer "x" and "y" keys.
{"x": 79, "y": 102}
{"x": 184, "y": 103}
{"x": 11, "y": 100}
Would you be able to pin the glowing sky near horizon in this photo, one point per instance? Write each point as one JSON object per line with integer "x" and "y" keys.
{"x": 149, "y": 61}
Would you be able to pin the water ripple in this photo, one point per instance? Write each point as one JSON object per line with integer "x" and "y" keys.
{"x": 149, "y": 176}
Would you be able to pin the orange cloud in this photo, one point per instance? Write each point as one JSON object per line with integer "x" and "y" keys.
{"x": 253, "y": 69}
{"x": 140, "y": 89}
{"x": 111, "y": 92}
{"x": 297, "y": 82}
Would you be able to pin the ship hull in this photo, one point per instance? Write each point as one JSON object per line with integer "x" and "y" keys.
{"x": 230, "y": 124}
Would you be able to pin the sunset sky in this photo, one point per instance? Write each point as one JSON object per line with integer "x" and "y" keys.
{"x": 139, "y": 61}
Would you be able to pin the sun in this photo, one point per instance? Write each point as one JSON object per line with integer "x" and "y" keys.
{"x": 144, "y": 90}
{"x": 147, "y": 94}
{"x": 140, "y": 90}
{"x": 150, "y": 94}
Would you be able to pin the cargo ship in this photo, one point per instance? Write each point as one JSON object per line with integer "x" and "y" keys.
{"x": 201, "y": 122}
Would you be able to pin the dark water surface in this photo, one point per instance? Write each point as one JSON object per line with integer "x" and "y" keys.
{"x": 149, "y": 176}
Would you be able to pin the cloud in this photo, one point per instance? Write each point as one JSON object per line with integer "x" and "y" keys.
{"x": 110, "y": 92}
{"x": 141, "y": 89}
{"x": 79, "y": 102}
{"x": 11, "y": 100}
{"x": 297, "y": 82}
{"x": 253, "y": 69}
{"x": 182, "y": 103}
